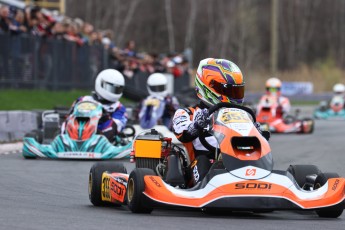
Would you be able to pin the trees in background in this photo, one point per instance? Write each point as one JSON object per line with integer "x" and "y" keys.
{"x": 309, "y": 30}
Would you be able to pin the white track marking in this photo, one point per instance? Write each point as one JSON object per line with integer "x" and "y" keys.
{"x": 11, "y": 148}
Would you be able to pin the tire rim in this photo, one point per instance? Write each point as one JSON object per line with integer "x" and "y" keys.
{"x": 130, "y": 190}
{"x": 90, "y": 184}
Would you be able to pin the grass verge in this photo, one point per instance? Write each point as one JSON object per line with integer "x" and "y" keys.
{"x": 40, "y": 99}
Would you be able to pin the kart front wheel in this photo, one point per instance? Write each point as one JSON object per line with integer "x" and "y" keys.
{"x": 135, "y": 189}
{"x": 95, "y": 180}
{"x": 307, "y": 126}
{"x": 330, "y": 212}
{"x": 300, "y": 173}
{"x": 36, "y": 134}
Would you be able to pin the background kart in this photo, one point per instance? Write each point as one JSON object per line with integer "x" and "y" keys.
{"x": 242, "y": 177}
{"x": 270, "y": 120}
{"x": 333, "y": 111}
{"x": 80, "y": 139}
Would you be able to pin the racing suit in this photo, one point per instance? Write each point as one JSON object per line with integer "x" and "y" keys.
{"x": 283, "y": 105}
{"x": 201, "y": 159}
{"x": 155, "y": 110}
{"x": 113, "y": 120}
{"x": 199, "y": 156}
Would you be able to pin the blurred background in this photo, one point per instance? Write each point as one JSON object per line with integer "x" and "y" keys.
{"x": 59, "y": 45}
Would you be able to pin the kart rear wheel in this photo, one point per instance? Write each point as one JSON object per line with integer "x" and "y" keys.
{"x": 95, "y": 180}
{"x": 300, "y": 172}
{"x": 321, "y": 180}
{"x": 150, "y": 163}
{"x": 135, "y": 189}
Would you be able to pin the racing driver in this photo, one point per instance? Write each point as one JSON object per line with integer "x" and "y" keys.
{"x": 109, "y": 86}
{"x": 216, "y": 80}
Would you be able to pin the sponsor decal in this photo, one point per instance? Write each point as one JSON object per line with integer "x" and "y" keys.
{"x": 250, "y": 172}
{"x": 196, "y": 174}
{"x": 335, "y": 185}
{"x": 79, "y": 155}
{"x": 117, "y": 190}
{"x": 86, "y": 106}
{"x": 152, "y": 102}
{"x": 179, "y": 120}
{"x": 253, "y": 185}
{"x": 155, "y": 181}
{"x": 234, "y": 117}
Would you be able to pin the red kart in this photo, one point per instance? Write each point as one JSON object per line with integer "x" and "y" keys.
{"x": 270, "y": 116}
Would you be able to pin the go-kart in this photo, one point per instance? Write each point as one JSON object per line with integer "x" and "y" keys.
{"x": 270, "y": 117}
{"x": 80, "y": 139}
{"x": 335, "y": 110}
{"x": 241, "y": 178}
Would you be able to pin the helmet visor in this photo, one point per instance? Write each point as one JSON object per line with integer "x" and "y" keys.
{"x": 228, "y": 90}
{"x": 112, "y": 88}
{"x": 273, "y": 89}
{"x": 157, "y": 88}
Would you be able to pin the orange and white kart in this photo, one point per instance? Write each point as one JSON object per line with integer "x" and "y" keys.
{"x": 241, "y": 179}
{"x": 271, "y": 119}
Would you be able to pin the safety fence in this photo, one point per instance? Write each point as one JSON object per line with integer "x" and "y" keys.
{"x": 28, "y": 61}
{"x": 31, "y": 62}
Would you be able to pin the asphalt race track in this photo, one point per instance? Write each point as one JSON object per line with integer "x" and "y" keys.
{"x": 47, "y": 194}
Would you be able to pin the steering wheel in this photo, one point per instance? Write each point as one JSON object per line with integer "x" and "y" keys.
{"x": 229, "y": 105}
{"x": 214, "y": 108}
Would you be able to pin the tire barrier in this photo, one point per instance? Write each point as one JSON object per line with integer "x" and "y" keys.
{"x": 15, "y": 124}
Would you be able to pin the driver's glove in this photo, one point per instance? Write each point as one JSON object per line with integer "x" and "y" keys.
{"x": 200, "y": 122}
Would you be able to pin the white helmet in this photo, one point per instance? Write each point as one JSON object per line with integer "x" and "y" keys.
{"x": 273, "y": 86}
{"x": 109, "y": 85}
{"x": 157, "y": 85}
{"x": 339, "y": 88}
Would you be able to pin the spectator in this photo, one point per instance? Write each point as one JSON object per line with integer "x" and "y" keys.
{"x": 4, "y": 18}
{"x": 17, "y": 24}
{"x": 40, "y": 22}
{"x": 58, "y": 31}
{"x": 130, "y": 49}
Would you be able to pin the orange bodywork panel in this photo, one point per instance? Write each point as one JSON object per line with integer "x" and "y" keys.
{"x": 156, "y": 190}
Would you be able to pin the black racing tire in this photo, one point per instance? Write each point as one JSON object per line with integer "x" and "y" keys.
{"x": 29, "y": 157}
{"x": 95, "y": 180}
{"x": 321, "y": 180}
{"x": 143, "y": 162}
{"x": 135, "y": 189}
{"x": 36, "y": 134}
{"x": 311, "y": 128}
{"x": 289, "y": 119}
{"x": 299, "y": 172}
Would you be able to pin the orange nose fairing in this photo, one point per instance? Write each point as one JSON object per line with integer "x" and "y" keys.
{"x": 249, "y": 154}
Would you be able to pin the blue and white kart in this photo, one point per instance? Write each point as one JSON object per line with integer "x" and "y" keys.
{"x": 80, "y": 139}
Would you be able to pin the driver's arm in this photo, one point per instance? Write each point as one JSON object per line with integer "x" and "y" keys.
{"x": 183, "y": 118}
{"x": 187, "y": 123}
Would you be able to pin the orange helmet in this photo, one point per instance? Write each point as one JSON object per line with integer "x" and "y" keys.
{"x": 273, "y": 86}
{"x": 219, "y": 80}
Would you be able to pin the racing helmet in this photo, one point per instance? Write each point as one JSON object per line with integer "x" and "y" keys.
{"x": 339, "y": 88}
{"x": 157, "y": 85}
{"x": 109, "y": 85}
{"x": 219, "y": 80}
{"x": 273, "y": 86}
